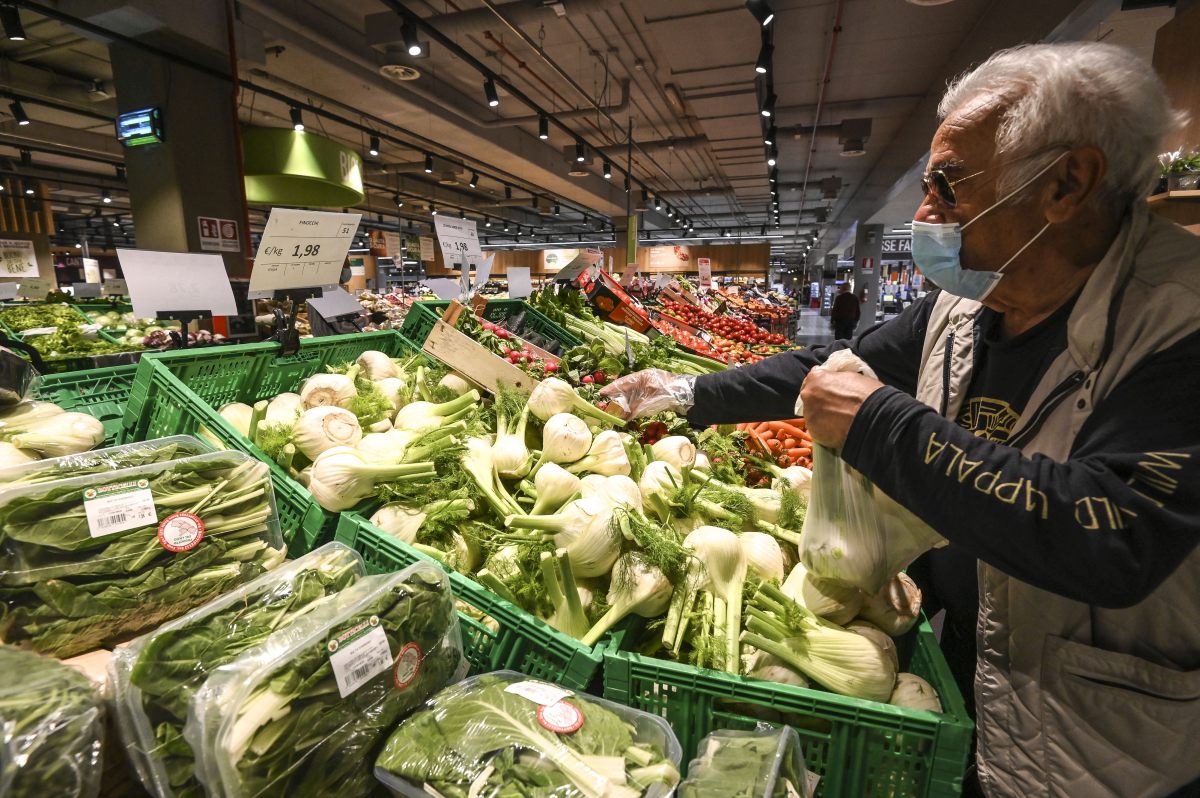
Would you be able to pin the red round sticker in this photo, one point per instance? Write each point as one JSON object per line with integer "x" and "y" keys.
{"x": 408, "y": 665}
{"x": 180, "y": 532}
{"x": 562, "y": 717}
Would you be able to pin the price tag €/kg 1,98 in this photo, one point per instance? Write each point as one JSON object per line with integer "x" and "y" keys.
{"x": 302, "y": 249}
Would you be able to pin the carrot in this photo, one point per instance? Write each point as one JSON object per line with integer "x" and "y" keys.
{"x": 776, "y": 445}
{"x": 789, "y": 443}
{"x": 766, "y": 435}
{"x": 791, "y": 429}
{"x": 760, "y": 426}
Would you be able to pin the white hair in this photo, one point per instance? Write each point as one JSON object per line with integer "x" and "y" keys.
{"x": 1057, "y": 96}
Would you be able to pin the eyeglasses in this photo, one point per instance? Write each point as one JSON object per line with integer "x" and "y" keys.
{"x": 937, "y": 183}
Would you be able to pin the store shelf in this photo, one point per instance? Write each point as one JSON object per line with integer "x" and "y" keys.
{"x": 1173, "y": 195}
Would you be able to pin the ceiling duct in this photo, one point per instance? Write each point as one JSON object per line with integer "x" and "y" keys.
{"x": 400, "y": 66}
{"x": 662, "y": 145}
{"x": 384, "y": 27}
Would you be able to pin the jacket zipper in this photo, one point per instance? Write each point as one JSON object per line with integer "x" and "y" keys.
{"x": 946, "y": 372}
{"x": 1052, "y": 401}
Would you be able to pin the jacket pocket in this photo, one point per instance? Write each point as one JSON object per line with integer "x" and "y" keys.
{"x": 1115, "y": 724}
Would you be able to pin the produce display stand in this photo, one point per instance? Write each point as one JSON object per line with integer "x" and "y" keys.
{"x": 101, "y": 393}
{"x": 423, "y": 315}
{"x": 60, "y": 365}
{"x": 471, "y": 359}
{"x": 179, "y": 392}
{"x": 861, "y": 749}
{"x": 497, "y": 635}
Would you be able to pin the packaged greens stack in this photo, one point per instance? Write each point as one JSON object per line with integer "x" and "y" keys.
{"x": 503, "y": 734}
{"x": 51, "y": 729}
{"x": 306, "y": 712}
{"x": 129, "y": 455}
{"x": 91, "y": 561}
{"x": 153, "y": 678}
{"x": 749, "y": 764}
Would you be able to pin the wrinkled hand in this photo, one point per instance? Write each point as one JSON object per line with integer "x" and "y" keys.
{"x": 832, "y": 400}
{"x": 647, "y": 392}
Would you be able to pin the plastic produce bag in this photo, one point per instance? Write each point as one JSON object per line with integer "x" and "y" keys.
{"x": 853, "y": 532}
{"x": 749, "y": 764}
{"x": 306, "y": 712}
{"x": 502, "y": 734}
{"x": 51, "y": 729}
{"x": 91, "y": 561}
{"x": 152, "y": 679}
{"x": 16, "y": 378}
{"x": 129, "y": 455}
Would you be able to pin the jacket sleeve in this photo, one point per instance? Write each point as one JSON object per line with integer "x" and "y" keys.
{"x": 1105, "y": 527}
{"x": 767, "y": 390}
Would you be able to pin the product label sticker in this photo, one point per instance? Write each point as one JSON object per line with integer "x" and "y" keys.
{"x": 811, "y": 780}
{"x": 181, "y": 532}
{"x": 562, "y": 717}
{"x": 538, "y": 692}
{"x": 408, "y": 665}
{"x": 118, "y": 507}
{"x": 359, "y": 654}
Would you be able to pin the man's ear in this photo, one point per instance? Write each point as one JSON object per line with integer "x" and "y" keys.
{"x": 1074, "y": 181}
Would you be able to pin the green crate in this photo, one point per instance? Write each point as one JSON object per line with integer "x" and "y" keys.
{"x": 421, "y": 317}
{"x": 177, "y": 392}
{"x": 861, "y": 749}
{"x": 101, "y": 393}
{"x": 515, "y": 640}
{"x": 60, "y": 365}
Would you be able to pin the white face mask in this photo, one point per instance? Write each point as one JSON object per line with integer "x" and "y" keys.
{"x": 937, "y": 249}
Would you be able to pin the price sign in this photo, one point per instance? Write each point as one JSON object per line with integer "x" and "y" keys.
{"x": 36, "y": 287}
{"x": 86, "y": 290}
{"x": 8, "y": 291}
{"x": 17, "y": 258}
{"x": 114, "y": 287}
{"x": 704, "y": 266}
{"x": 391, "y": 242}
{"x": 301, "y": 249}
{"x": 519, "y": 284}
{"x": 425, "y": 244}
{"x": 174, "y": 281}
{"x": 459, "y": 242}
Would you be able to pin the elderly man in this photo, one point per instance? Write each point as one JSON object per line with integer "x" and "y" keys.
{"x": 1053, "y": 434}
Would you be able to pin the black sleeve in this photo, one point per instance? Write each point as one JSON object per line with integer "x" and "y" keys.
{"x": 1106, "y": 527}
{"x": 767, "y": 390}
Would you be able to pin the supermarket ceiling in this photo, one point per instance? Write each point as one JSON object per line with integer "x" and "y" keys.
{"x": 846, "y": 76}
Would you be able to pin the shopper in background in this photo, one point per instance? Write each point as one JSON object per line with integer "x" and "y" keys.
{"x": 1053, "y": 434}
{"x": 845, "y": 313}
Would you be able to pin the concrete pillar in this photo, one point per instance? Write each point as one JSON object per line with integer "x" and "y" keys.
{"x": 868, "y": 249}
{"x": 196, "y": 170}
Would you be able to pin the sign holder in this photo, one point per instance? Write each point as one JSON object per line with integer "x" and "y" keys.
{"x": 177, "y": 286}
{"x": 286, "y": 333}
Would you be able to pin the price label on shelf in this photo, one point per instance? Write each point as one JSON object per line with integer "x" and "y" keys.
{"x": 459, "y": 242}
{"x": 114, "y": 287}
{"x": 173, "y": 281}
{"x": 35, "y": 287}
{"x": 301, "y": 249}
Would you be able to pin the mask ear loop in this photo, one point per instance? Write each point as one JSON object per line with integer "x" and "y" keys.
{"x": 1015, "y": 192}
{"x": 1022, "y": 249}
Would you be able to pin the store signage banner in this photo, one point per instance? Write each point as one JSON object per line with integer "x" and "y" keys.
{"x": 459, "y": 241}
{"x": 301, "y": 249}
{"x": 704, "y": 265}
{"x": 555, "y": 259}
{"x": 391, "y": 242}
{"x": 114, "y": 287}
{"x": 289, "y": 167}
{"x": 91, "y": 270}
{"x": 427, "y": 249}
{"x": 17, "y": 258}
{"x": 175, "y": 281}
{"x": 668, "y": 259}
{"x": 36, "y": 287}
{"x": 519, "y": 283}
{"x": 218, "y": 235}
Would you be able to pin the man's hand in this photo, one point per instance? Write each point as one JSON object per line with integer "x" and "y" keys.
{"x": 831, "y": 401}
{"x": 649, "y": 391}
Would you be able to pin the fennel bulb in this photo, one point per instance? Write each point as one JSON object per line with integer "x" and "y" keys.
{"x": 764, "y": 557}
{"x": 638, "y": 588}
{"x": 702, "y": 462}
{"x": 621, "y": 491}
{"x": 322, "y": 390}
{"x": 605, "y": 456}
{"x": 377, "y": 366}
{"x": 239, "y": 416}
{"x": 676, "y": 450}
{"x": 797, "y": 479}
{"x": 569, "y": 615}
{"x": 392, "y": 389}
{"x": 14, "y": 418}
{"x": 341, "y": 478}
{"x": 554, "y": 486}
{"x": 510, "y": 456}
{"x": 915, "y": 693}
{"x": 10, "y": 455}
{"x": 477, "y": 462}
{"x": 879, "y": 637}
{"x": 426, "y": 416}
{"x": 284, "y": 409}
{"x": 659, "y": 483}
{"x": 322, "y": 428}
{"x": 833, "y": 601}
{"x": 769, "y": 668}
{"x": 553, "y": 395}
{"x": 896, "y": 608}
{"x": 585, "y": 528}
{"x": 565, "y": 438}
{"x": 60, "y": 434}
{"x": 455, "y": 382}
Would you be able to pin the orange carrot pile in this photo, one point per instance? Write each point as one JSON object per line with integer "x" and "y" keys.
{"x": 785, "y": 442}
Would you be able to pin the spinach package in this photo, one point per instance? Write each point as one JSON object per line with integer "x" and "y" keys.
{"x": 153, "y": 678}
{"x": 306, "y": 712}
{"x": 129, "y": 455}
{"x": 51, "y": 728}
{"x": 91, "y": 561}
{"x": 504, "y": 734}
{"x": 749, "y": 764}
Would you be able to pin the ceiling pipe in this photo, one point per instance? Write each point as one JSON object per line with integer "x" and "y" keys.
{"x": 620, "y": 107}
{"x": 663, "y": 145}
{"x": 812, "y": 148}
{"x": 385, "y": 28}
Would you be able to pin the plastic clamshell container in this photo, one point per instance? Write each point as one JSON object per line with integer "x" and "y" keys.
{"x": 112, "y": 458}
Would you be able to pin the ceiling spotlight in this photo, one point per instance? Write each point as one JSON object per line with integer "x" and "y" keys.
{"x": 506, "y": 227}
{"x": 769, "y": 136}
{"x": 487, "y": 222}
{"x": 474, "y": 180}
{"x": 670, "y": 212}
{"x": 508, "y": 192}
{"x": 428, "y": 164}
{"x": 374, "y": 148}
{"x": 120, "y": 173}
{"x": 11, "y": 20}
{"x": 853, "y": 135}
{"x": 607, "y": 171}
{"x": 396, "y": 198}
{"x": 580, "y": 151}
{"x": 117, "y": 222}
{"x": 765, "y": 53}
{"x": 105, "y": 197}
{"x": 297, "y": 119}
{"x": 29, "y": 190}
{"x": 489, "y": 91}
{"x": 761, "y": 10}
{"x": 557, "y": 209}
{"x": 657, "y": 203}
{"x": 725, "y": 233}
{"x": 768, "y": 106}
{"x": 543, "y": 127}
{"x": 409, "y": 32}
{"x": 771, "y": 156}
{"x": 774, "y": 178}
{"x": 433, "y": 210}
{"x": 462, "y": 214}
{"x": 18, "y": 112}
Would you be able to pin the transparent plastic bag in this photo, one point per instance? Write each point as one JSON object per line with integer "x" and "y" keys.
{"x": 91, "y": 561}
{"x": 305, "y": 713}
{"x": 51, "y": 729}
{"x": 152, "y": 679}
{"x": 494, "y": 734}
{"x": 767, "y": 763}
{"x": 129, "y": 455}
{"x": 17, "y": 378}
{"x": 854, "y": 533}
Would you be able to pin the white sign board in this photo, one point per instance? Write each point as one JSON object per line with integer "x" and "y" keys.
{"x": 8, "y": 291}
{"x": 704, "y": 266}
{"x": 301, "y": 249}
{"x": 460, "y": 243}
{"x": 174, "y": 281}
{"x": 91, "y": 270}
{"x": 336, "y": 303}
{"x": 519, "y": 284}
{"x": 427, "y": 248}
{"x": 36, "y": 287}
{"x": 444, "y": 288}
{"x": 86, "y": 290}
{"x": 391, "y": 242}
{"x": 17, "y": 258}
{"x": 114, "y": 287}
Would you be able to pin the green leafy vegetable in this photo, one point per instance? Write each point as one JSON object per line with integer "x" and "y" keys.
{"x": 756, "y": 764}
{"x": 100, "y": 460}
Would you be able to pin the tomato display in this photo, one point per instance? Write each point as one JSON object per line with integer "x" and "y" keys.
{"x": 724, "y": 326}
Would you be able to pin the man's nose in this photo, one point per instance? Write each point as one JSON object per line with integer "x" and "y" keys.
{"x": 929, "y": 211}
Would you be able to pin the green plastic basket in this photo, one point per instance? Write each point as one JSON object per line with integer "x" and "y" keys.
{"x": 861, "y": 749}
{"x": 421, "y": 317}
{"x": 178, "y": 392}
{"x": 509, "y": 639}
{"x": 101, "y": 393}
{"x": 59, "y": 365}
